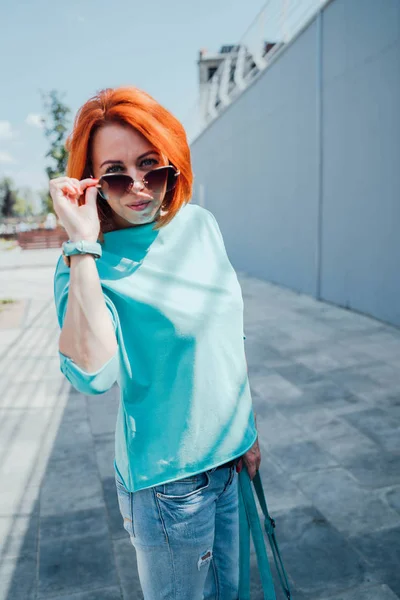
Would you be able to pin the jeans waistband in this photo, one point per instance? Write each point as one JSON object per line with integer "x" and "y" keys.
{"x": 231, "y": 463}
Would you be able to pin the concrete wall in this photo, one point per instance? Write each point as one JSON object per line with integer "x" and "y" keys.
{"x": 302, "y": 171}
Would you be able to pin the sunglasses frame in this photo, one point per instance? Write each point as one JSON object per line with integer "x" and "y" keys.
{"x": 142, "y": 181}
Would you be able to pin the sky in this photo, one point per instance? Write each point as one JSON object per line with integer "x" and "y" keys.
{"x": 81, "y": 47}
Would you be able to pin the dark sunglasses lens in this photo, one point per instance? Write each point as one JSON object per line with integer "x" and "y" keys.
{"x": 161, "y": 179}
{"x": 115, "y": 186}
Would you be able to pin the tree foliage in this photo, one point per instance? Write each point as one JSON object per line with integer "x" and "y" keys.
{"x": 25, "y": 203}
{"x": 55, "y": 124}
{"x": 15, "y": 202}
{"x": 8, "y": 197}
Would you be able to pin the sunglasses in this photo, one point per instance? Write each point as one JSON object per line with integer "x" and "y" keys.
{"x": 116, "y": 185}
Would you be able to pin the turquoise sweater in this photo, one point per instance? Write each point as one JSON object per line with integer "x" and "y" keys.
{"x": 177, "y": 309}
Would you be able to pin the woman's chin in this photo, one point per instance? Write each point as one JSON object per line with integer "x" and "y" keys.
{"x": 138, "y": 217}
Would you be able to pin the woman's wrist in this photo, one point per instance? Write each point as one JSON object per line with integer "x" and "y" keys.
{"x": 83, "y": 238}
{"x": 75, "y": 258}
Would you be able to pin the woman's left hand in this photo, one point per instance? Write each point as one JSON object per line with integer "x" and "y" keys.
{"x": 252, "y": 460}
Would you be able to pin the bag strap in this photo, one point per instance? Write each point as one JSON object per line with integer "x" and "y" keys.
{"x": 252, "y": 523}
{"x": 249, "y": 521}
{"x": 244, "y": 550}
{"x": 269, "y": 525}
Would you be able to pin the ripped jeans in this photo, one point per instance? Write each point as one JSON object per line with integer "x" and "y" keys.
{"x": 186, "y": 536}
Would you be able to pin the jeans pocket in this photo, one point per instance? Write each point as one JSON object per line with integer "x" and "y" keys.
{"x": 183, "y": 489}
{"x": 125, "y": 501}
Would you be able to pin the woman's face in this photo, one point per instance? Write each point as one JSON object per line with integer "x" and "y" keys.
{"x": 119, "y": 148}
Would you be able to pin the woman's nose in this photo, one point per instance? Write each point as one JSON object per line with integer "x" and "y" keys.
{"x": 138, "y": 185}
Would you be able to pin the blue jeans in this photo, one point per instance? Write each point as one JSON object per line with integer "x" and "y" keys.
{"x": 186, "y": 536}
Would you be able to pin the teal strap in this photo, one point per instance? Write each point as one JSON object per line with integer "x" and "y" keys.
{"x": 249, "y": 521}
{"x": 269, "y": 525}
{"x": 82, "y": 247}
{"x": 244, "y": 550}
{"x": 254, "y": 525}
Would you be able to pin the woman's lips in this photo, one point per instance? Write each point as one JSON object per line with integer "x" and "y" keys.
{"x": 139, "y": 206}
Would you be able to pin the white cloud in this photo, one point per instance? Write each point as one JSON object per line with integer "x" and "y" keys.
{"x": 34, "y": 120}
{"x": 6, "y": 158}
{"x": 6, "y": 130}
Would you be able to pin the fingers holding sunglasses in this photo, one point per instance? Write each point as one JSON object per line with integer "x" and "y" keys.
{"x": 82, "y": 186}
{"x": 88, "y": 190}
{"x": 63, "y": 188}
{"x": 68, "y": 188}
{"x": 91, "y": 194}
{"x": 75, "y": 205}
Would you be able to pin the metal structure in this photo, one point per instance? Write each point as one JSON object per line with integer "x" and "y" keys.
{"x": 225, "y": 75}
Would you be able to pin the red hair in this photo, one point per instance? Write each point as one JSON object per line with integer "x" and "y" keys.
{"x": 134, "y": 107}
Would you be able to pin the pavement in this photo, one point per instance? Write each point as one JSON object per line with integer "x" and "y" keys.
{"x": 326, "y": 389}
{"x": 26, "y": 276}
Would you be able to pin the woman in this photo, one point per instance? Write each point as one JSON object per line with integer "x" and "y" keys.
{"x": 146, "y": 296}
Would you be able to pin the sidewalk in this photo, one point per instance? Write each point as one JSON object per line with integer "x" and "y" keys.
{"x": 26, "y": 275}
{"x": 326, "y": 389}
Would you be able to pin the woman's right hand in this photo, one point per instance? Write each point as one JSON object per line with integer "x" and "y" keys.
{"x": 75, "y": 204}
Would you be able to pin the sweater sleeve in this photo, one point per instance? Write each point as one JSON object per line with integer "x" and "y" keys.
{"x": 88, "y": 383}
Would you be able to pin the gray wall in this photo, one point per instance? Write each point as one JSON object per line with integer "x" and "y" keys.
{"x": 302, "y": 171}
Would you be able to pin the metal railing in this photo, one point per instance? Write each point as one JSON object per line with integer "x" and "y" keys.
{"x": 278, "y": 22}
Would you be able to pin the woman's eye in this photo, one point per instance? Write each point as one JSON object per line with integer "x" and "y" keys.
{"x": 114, "y": 169}
{"x": 148, "y": 162}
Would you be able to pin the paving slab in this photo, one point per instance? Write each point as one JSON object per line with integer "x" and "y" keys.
{"x": 381, "y": 551}
{"x": 375, "y": 470}
{"x": 376, "y": 592}
{"x": 19, "y": 534}
{"x": 75, "y": 564}
{"x": 302, "y": 457}
{"x": 109, "y": 593}
{"x": 72, "y": 524}
{"x": 349, "y": 507}
{"x": 393, "y": 498}
{"x": 377, "y": 424}
{"x": 18, "y": 577}
{"x": 318, "y": 558}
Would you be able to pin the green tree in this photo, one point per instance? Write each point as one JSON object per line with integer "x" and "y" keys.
{"x": 55, "y": 123}
{"x": 46, "y": 203}
{"x": 8, "y": 197}
{"x": 25, "y": 203}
